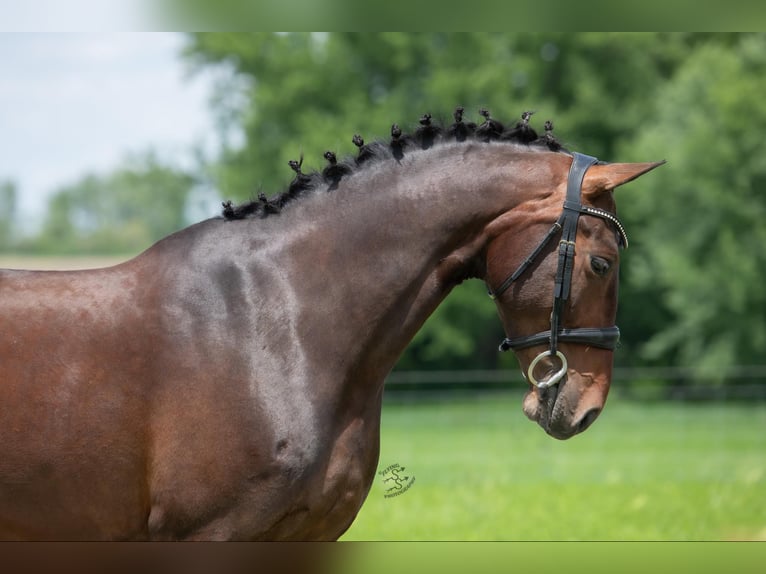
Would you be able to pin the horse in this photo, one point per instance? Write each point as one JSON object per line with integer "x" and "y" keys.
{"x": 227, "y": 383}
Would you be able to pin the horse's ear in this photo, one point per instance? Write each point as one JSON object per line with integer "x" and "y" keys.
{"x": 605, "y": 177}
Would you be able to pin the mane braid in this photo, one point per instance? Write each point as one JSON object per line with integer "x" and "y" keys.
{"x": 460, "y": 130}
{"x": 490, "y": 129}
{"x": 365, "y": 151}
{"x": 547, "y": 139}
{"x": 399, "y": 141}
{"x": 522, "y": 131}
{"x": 425, "y": 136}
{"x": 333, "y": 173}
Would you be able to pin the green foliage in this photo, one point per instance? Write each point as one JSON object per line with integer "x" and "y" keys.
{"x": 8, "y": 200}
{"x": 690, "y": 291}
{"x": 305, "y": 93}
{"x": 700, "y": 222}
{"x": 463, "y": 332}
{"x": 122, "y": 212}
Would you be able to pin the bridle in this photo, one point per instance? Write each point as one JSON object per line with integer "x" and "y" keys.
{"x": 603, "y": 337}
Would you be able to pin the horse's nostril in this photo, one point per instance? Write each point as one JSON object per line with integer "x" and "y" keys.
{"x": 588, "y": 419}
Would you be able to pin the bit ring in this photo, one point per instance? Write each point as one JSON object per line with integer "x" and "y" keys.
{"x": 555, "y": 378}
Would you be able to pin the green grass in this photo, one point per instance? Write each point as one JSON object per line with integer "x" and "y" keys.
{"x": 643, "y": 471}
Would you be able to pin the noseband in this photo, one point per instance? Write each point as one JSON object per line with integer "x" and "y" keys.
{"x": 603, "y": 338}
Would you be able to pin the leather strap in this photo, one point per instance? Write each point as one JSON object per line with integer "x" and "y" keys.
{"x": 604, "y": 338}
{"x": 527, "y": 262}
{"x": 571, "y": 215}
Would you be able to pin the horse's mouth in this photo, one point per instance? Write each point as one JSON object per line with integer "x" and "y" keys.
{"x": 553, "y": 417}
{"x": 551, "y": 408}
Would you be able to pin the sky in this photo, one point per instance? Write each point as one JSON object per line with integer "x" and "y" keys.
{"x": 74, "y": 15}
{"x": 78, "y": 103}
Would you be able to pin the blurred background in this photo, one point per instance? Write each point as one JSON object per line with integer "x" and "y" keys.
{"x": 112, "y": 141}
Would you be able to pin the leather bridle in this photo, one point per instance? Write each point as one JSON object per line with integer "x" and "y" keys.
{"x": 604, "y": 337}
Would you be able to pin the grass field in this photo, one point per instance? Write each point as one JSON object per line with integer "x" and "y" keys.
{"x": 643, "y": 471}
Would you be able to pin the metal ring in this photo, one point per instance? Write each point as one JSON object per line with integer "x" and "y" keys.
{"x": 557, "y": 376}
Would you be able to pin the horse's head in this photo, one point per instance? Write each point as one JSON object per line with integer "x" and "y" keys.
{"x": 555, "y": 285}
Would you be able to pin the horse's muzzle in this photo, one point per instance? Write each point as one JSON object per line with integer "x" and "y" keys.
{"x": 558, "y": 410}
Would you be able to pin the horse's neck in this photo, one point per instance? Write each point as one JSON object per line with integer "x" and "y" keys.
{"x": 386, "y": 248}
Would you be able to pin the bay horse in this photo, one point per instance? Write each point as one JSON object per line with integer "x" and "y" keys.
{"x": 227, "y": 382}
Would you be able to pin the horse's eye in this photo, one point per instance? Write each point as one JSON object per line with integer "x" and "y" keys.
{"x": 600, "y": 265}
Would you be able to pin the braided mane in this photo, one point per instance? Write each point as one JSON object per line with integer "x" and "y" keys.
{"x": 425, "y": 136}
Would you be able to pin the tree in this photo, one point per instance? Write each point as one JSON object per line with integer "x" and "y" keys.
{"x": 699, "y": 268}
{"x": 8, "y": 198}
{"x": 293, "y": 93}
{"x": 122, "y": 212}
{"x": 621, "y": 97}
